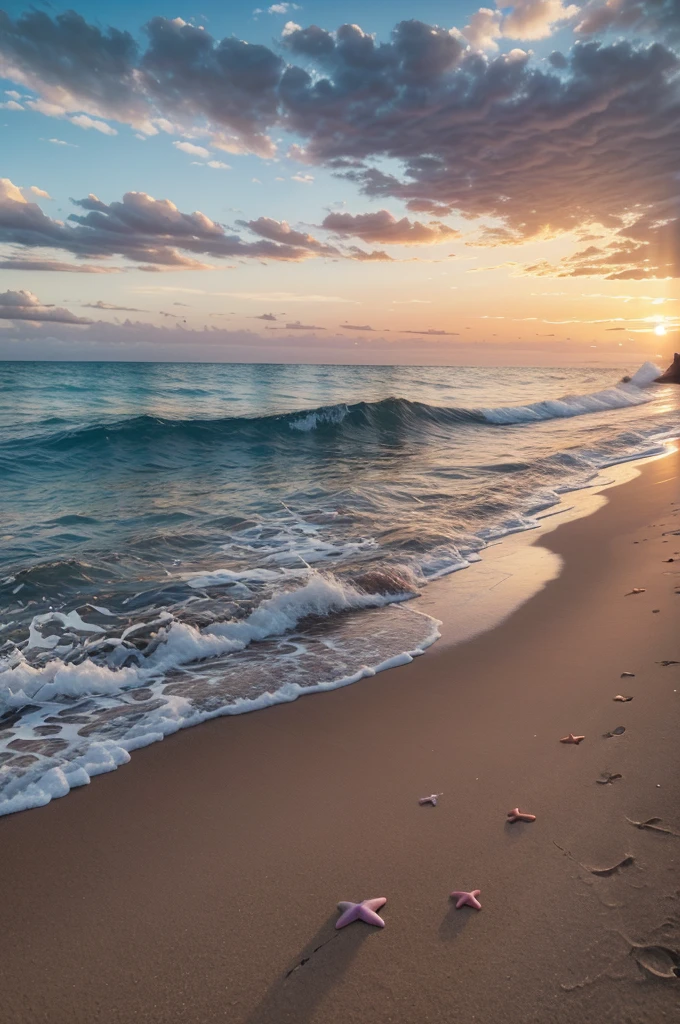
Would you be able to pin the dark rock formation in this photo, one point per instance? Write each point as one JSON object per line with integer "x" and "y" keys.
{"x": 672, "y": 374}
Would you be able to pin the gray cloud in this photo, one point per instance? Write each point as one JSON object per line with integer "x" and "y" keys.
{"x": 431, "y": 332}
{"x": 657, "y": 17}
{"x": 56, "y": 266}
{"x": 281, "y": 232}
{"x": 357, "y": 327}
{"x": 383, "y": 227}
{"x": 145, "y": 230}
{"x": 100, "y": 304}
{"x": 183, "y": 75}
{"x": 24, "y": 305}
{"x": 586, "y": 138}
{"x": 297, "y": 326}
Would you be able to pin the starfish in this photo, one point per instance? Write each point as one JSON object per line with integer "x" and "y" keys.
{"x": 364, "y": 911}
{"x": 571, "y": 738}
{"x": 432, "y": 799}
{"x": 516, "y": 815}
{"x": 467, "y": 898}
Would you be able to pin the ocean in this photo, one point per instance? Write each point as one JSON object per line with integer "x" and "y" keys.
{"x": 181, "y": 541}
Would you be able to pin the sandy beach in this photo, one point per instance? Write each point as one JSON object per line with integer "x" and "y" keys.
{"x": 200, "y": 883}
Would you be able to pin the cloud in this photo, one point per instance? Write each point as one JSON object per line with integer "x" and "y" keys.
{"x": 60, "y": 142}
{"x": 24, "y": 305}
{"x": 656, "y": 17}
{"x": 304, "y": 179}
{"x": 286, "y": 297}
{"x": 383, "y": 227}
{"x": 108, "y": 305}
{"x": 525, "y": 19}
{"x": 297, "y": 326}
{"x": 266, "y": 316}
{"x": 648, "y": 248}
{"x": 377, "y": 255}
{"x": 151, "y": 232}
{"x": 533, "y": 147}
{"x": 40, "y": 192}
{"x": 357, "y": 327}
{"x": 217, "y": 165}
{"x": 55, "y": 266}
{"x": 282, "y": 233}
{"x": 483, "y": 29}
{"x": 83, "y": 121}
{"x": 10, "y": 105}
{"x": 536, "y": 19}
{"x": 188, "y": 147}
{"x": 433, "y": 333}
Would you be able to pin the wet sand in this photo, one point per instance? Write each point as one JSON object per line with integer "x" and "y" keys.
{"x": 195, "y": 884}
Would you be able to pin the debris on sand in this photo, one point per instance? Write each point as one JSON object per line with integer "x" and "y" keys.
{"x": 653, "y": 825}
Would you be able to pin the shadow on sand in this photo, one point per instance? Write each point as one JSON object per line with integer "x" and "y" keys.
{"x": 312, "y": 974}
{"x": 455, "y": 921}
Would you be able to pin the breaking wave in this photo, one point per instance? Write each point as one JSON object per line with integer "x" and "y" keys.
{"x": 396, "y": 414}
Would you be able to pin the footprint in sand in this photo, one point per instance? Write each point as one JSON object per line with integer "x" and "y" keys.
{"x": 608, "y": 778}
{"x": 627, "y": 862}
{"x": 618, "y": 731}
{"x": 660, "y": 961}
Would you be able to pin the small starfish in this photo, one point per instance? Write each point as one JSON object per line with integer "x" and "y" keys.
{"x": 571, "y": 738}
{"x": 364, "y": 911}
{"x": 516, "y": 815}
{"x": 620, "y": 697}
{"x": 467, "y": 898}
{"x": 636, "y": 590}
{"x": 431, "y": 799}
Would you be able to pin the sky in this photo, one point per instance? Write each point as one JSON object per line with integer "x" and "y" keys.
{"x": 420, "y": 181}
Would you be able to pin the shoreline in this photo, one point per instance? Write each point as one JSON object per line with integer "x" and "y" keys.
{"x": 186, "y": 888}
{"x": 500, "y": 582}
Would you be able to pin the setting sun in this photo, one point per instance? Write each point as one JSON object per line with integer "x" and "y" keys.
{"x": 660, "y": 330}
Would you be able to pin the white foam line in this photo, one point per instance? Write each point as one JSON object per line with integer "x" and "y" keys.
{"x": 106, "y": 756}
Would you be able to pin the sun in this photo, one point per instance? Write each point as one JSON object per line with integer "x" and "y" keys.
{"x": 660, "y": 330}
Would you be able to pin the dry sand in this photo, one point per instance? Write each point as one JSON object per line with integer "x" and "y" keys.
{"x": 185, "y": 887}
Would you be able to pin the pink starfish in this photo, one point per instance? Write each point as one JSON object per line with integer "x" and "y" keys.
{"x": 516, "y": 815}
{"x": 432, "y": 799}
{"x": 571, "y": 738}
{"x": 364, "y": 911}
{"x": 469, "y": 898}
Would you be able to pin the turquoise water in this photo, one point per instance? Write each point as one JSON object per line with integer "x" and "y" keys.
{"x": 184, "y": 540}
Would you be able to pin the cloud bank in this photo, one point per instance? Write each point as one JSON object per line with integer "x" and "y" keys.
{"x": 524, "y": 148}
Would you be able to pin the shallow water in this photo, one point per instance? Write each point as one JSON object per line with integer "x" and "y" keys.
{"x": 183, "y": 540}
